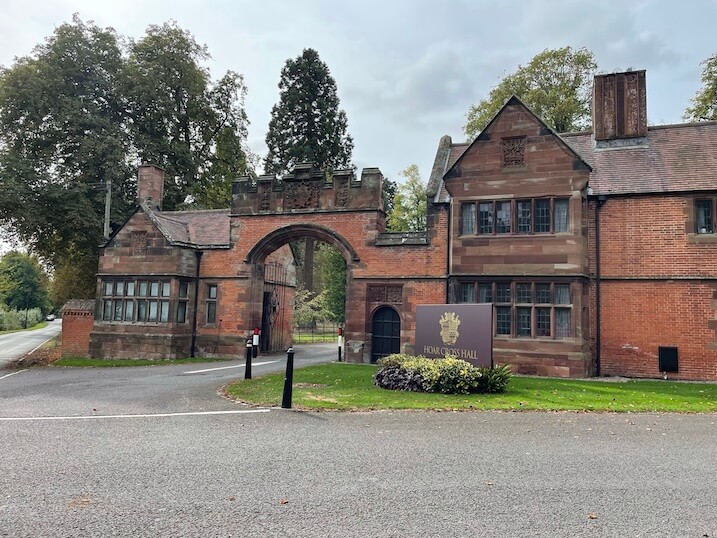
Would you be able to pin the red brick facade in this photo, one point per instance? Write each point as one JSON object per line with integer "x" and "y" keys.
{"x": 540, "y": 172}
{"x": 182, "y": 254}
{"x": 598, "y": 253}
{"x": 658, "y": 285}
{"x": 77, "y": 320}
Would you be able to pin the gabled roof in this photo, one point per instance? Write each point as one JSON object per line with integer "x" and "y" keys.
{"x": 195, "y": 229}
{"x": 513, "y": 101}
{"x": 673, "y": 158}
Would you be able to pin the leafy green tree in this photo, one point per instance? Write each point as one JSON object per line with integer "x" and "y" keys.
{"x": 306, "y": 124}
{"x": 180, "y": 120}
{"x": 704, "y": 103}
{"x": 23, "y": 283}
{"x": 79, "y": 112}
{"x": 333, "y": 277}
{"x": 389, "y": 193}
{"x": 63, "y": 138}
{"x": 308, "y": 308}
{"x": 73, "y": 278}
{"x": 556, "y": 85}
{"x": 409, "y": 203}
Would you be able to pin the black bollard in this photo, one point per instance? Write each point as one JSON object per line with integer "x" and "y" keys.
{"x": 247, "y": 364}
{"x": 288, "y": 379}
{"x": 341, "y": 337}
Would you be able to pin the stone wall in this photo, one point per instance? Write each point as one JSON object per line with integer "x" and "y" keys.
{"x": 518, "y": 158}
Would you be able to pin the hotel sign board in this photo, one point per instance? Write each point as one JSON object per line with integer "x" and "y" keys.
{"x": 464, "y": 331}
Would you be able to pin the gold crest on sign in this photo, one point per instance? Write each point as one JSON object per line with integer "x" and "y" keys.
{"x": 449, "y": 328}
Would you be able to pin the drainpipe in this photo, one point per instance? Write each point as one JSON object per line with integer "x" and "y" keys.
{"x": 598, "y": 204}
{"x": 449, "y": 249}
{"x": 196, "y": 304}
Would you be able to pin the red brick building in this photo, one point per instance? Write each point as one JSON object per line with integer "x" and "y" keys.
{"x": 596, "y": 250}
{"x": 199, "y": 282}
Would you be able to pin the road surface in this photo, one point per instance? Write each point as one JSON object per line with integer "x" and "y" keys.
{"x": 15, "y": 345}
{"x": 157, "y": 451}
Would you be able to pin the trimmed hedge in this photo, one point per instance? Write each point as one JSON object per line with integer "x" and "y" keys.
{"x": 447, "y": 376}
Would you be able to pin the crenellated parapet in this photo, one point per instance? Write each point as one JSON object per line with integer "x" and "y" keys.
{"x": 308, "y": 189}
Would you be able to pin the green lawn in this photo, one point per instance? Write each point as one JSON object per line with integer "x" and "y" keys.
{"x": 313, "y": 338}
{"x": 350, "y": 387}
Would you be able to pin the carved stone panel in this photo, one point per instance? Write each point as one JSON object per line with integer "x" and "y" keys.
{"x": 513, "y": 152}
{"x": 264, "y": 194}
{"x": 138, "y": 243}
{"x": 385, "y": 294}
{"x": 341, "y": 192}
{"x": 302, "y": 195}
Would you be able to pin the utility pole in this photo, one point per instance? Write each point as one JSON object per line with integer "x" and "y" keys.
{"x": 108, "y": 199}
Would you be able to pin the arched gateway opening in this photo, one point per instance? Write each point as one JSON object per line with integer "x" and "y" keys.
{"x": 396, "y": 270}
{"x": 221, "y": 275}
{"x": 274, "y": 275}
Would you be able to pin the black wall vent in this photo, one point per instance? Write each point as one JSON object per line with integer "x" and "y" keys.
{"x": 668, "y": 359}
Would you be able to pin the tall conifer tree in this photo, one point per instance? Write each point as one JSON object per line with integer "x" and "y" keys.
{"x": 307, "y": 124}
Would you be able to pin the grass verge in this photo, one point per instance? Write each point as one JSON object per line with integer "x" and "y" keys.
{"x": 40, "y": 325}
{"x": 342, "y": 386}
{"x": 81, "y": 362}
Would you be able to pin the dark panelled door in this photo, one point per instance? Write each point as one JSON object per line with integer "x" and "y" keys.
{"x": 386, "y": 329}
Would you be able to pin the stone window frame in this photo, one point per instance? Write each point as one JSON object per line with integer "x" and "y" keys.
{"x": 486, "y": 222}
{"x": 211, "y": 300}
{"x": 135, "y": 300}
{"x": 182, "y": 301}
{"x": 524, "y": 309}
{"x": 705, "y": 221}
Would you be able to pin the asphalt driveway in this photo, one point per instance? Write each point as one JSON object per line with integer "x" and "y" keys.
{"x": 158, "y": 452}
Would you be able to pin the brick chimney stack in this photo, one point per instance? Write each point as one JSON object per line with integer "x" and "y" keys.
{"x": 620, "y": 106}
{"x": 150, "y": 185}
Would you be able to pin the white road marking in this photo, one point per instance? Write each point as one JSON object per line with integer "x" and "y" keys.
{"x": 227, "y": 367}
{"x": 13, "y": 373}
{"x": 91, "y": 417}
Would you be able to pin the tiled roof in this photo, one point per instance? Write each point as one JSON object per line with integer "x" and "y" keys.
{"x": 202, "y": 228}
{"x": 84, "y": 305}
{"x": 672, "y": 158}
{"x": 456, "y": 151}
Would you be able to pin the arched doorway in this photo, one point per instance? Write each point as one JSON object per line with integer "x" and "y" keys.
{"x": 386, "y": 333}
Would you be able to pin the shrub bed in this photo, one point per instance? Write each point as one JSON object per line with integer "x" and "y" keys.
{"x": 447, "y": 376}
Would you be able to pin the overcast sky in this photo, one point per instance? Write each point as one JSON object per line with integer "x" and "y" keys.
{"x": 407, "y": 71}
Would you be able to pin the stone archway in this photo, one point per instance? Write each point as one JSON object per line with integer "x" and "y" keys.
{"x": 397, "y": 269}
{"x": 268, "y": 307}
{"x": 215, "y": 267}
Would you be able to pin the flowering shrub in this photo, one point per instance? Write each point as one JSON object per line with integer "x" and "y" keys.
{"x": 447, "y": 376}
